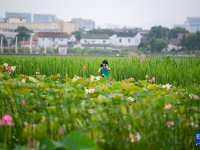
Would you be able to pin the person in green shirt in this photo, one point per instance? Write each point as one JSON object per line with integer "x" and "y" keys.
{"x": 105, "y": 69}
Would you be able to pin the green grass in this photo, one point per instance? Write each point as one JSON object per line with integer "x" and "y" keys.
{"x": 165, "y": 70}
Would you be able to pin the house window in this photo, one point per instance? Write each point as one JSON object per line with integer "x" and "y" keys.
{"x": 20, "y": 19}
{"x": 85, "y": 41}
{"x": 39, "y": 27}
{"x": 104, "y": 41}
{"x": 15, "y": 27}
{"x": 62, "y": 39}
{"x": 129, "y": 40}
{"x": 47, "y": 27}
{"x": 120, "y": 40}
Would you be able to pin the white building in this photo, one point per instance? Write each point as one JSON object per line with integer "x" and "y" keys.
{"x": 128, "y": 39}
{"x": 192, "y": 24}
{"x": 51, "y": 39}
{"x": 122, "y": 40}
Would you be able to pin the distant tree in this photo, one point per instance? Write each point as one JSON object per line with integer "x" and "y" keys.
{"x": 23, "y": 33}
{"x": 143, "y": 44}
{"x": 5, "y": 42}
{"x": 183, "y": 41}
{"x": 152, "y": 43}
{"x": 198, "y": 39}
{"x": 23, "y": 29}
{"x": 174, "y": 32}
{"x": 160, "y": 44}
{"x": 158, "y": 32}
{"x": 189, "y": 42}
{"x": 77, "y": 35}
{"x": 100, "y": 31}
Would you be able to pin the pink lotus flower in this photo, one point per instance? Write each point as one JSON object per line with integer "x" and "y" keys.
{"x": 24, "y": 102}
{"x": 132, "y": 78}
{"x": 66, "y": 75}
{"x": 127, "y": 104}
{"x": 194, "y": 79}
{"x": 6, "y": 120}
{"x": 8, "y": 72}
{"x": 176, "y": 93}
{"x": 121, "y": 76}
{"x": 84, "y": 67}
{"x": 19, "y": 66}
{"x": 8, "y": 67}
{"x": 11, "y": 69}
{"x": 17, "y": 70}
{"x": 146, "y": 76}
{"x": 146, "y": 80}
{"x": 30, "y": 143}
{"x": 58, "y": 75}
{"x": 167, "y": 86}
{"x": 169, "y": 106}
{"x": 38, "y": 69}
{"x": 122, "y": 96}
{"x": 195, "y": 97}
{"x": 113, "y": 79}
{"x": 60, "y": 131}
{"x": 196, "y": 84}
{"x": 170, "y": 123}
{"x": 167, "y": 99}
{"x": 135, "y": 92}
{"x": 153, "y": 79}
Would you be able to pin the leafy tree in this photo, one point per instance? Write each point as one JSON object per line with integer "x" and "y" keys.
{"x": 160, "y": 44}
{"x": 23, "y": 29}
{"x": 77, "y": 35}
{"x": 23, "y": 32}
{"x": 189, "y": 41}
{"x": 152, "y": 43}
{"x": 158, "y": 32}
{"x": 143, "y": 44}
{"x": 198, "y": 39}
{"x": 174, "y": 32}
{"x": 5, "y": 42}
{"x": 183, "y": 41}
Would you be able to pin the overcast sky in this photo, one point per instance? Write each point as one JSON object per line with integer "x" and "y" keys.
{"x": 135, "y": 13}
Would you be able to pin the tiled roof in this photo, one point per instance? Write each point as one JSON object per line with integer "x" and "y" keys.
{"x": 69, "y": 36}
{"x": 174, "y": 41}
{"x": 27, "y": 43}
{"x": 53, "y": 34}
{"x": 35, "y": 37}
{"x": 95, "y": 36}
{"x": 126, "y": 34}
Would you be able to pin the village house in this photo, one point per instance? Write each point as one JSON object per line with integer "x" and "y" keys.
{"x": 52, "y": 39}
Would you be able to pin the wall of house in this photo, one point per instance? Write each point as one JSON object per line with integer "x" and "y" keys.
{"x": 113, "y": 39}
{"x": 95, "y": 41}
{"x": 170, "y": 47}
{"x": 124, "y": 41}
{"x": 50, "y": 42}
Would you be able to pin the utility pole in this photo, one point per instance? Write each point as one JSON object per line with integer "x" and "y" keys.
{"x": 23, "y": 45}
{"x": 2, "y": 44}
{"x": 30, "y": 45}
{"x": 16, "y": 50}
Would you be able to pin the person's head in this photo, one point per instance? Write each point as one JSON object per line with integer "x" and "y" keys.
{"x": 105, "y": 63}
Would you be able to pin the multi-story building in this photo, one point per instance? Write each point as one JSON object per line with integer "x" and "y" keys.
{"x": 28, "y": 16}
{"x": 83, "y": 23}
{"x": 1, "y": 19}
{"x": 192, "y": 24}
{"x": 11, "y": 24}
{"x": 44, "y": 18}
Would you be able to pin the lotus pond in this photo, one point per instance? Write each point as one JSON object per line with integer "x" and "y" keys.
{"x": 65, "y": 112}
